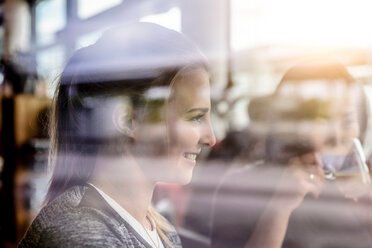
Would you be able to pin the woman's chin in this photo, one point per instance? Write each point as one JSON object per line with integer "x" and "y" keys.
{"x": 180, "y": 177}
{"x": 185, "y": 180}
{"x": 186, "y": 169}
{"x": 177, "y": 171}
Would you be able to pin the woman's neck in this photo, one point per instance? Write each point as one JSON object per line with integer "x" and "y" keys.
{"x": 123, "y": 180}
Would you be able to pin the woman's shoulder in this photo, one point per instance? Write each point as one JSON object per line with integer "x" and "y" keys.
{"x": 65, "y": 220}
{"x": 73, "y": 229}
{"x": 81, "y": 217}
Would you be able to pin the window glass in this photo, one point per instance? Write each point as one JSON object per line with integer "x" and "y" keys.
{"x": 88, "y": 39}
{"x": 50, "y": 18}
{"x": 290, "y": 22}
{"x": 88, "y": 8}
{"x": 258, "y": 108}
{"x": 170, "y": 19}
{"x": 50, "y": 63}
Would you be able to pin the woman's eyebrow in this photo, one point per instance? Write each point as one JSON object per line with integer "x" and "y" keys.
{"x": 204, "y": 110}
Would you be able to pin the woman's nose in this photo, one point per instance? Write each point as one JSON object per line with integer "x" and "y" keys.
{"x": 207, "y": 137}
{"x": 335, "y": 135}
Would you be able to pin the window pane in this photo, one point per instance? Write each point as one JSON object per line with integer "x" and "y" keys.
{"x": 50, "y": 62}
{"x": 50, "y": 18}
{"x": 170, "y": 19}
{"x": 88, "y": 39}
{"x": 293, "y": 22}
{"x": 88, "y": 8}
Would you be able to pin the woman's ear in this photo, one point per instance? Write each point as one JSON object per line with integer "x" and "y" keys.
{"x": 122, "y": 118}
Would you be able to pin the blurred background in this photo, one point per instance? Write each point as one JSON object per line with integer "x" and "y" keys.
{"x": 250, "y": 45}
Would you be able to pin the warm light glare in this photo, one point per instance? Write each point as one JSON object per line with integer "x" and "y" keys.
{"x": 301, "y": 22}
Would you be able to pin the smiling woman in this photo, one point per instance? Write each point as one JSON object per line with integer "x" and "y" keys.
{"x": 130, "y": 111}
{"x": 188, "y": 118}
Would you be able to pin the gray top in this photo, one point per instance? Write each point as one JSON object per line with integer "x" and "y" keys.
{"x": 80, "y": 217}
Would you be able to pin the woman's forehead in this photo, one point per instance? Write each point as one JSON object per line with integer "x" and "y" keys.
{"x": 337, "y": 91}
{"x": 190, "y": 82}
{"x": 191, "y": 89}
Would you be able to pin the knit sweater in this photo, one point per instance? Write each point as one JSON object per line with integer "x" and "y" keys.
{"x": 80, "y": 217}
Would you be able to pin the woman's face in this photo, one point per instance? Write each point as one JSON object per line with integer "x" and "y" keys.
{"x": 343, "y": 125}
{"x": 185, "y": 130}
{"x": 331, "y": 109}
{"x": 333, "y": 126}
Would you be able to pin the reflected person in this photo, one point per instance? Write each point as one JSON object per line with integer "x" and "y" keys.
{"x": 314, "y": 116}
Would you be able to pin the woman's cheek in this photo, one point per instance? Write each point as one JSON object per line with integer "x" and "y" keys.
{"x": 151, "y": 140}
{"x": 185, "y": 134}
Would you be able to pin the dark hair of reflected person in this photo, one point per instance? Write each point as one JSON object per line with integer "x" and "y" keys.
{"x": 125, "y": 63}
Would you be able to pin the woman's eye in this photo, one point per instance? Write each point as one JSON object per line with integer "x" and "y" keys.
{"x": 349, "y": 119}
{"x": 197, "y": 118}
